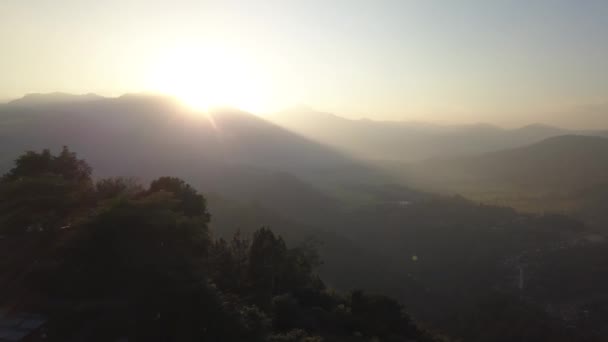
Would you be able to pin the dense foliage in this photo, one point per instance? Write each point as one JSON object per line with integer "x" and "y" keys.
{"x": 477, "y": 272}
{"x": 114, "y": 259}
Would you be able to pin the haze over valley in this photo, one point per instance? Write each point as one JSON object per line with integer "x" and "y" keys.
{"x": 377, "y": 198}
{"x": 283, "y": 171}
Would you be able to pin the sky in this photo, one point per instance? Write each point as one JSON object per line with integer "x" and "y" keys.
{"x": 505, "y": 62}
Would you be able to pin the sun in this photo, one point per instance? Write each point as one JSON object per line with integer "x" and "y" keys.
{"x": 204, "y": 78}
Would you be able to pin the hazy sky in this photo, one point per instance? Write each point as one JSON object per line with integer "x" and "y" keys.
{"x": 506, "y": 62}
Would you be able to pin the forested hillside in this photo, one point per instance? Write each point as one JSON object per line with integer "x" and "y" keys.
{"x": 472, "y": 271}
{"x": 558, "y": 164}
{"x": 152, "y": 134}
{"x": 111, "y": 259}
{"x": 303, "y": 171}
{"x": 564, "y": 174}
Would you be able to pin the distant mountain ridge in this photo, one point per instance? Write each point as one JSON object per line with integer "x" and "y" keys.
{"x": 145, "y": 136}
{"x": 364, "y": 138}
{"x": 85, "y": 120}
{"x": 37, "y": 99}
{"x": 440, "y": 254}
{"x": 556, "y": 164}
{"x": 411, "y": 141}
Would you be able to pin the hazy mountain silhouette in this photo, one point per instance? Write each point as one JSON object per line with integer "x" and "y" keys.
{"x": 556, "y": 164}
{"x": 228, "y": 151}
{"x": 410, "y": 141}
{"x": 37, "y": 99}
{"x": 441, "y": 255}
{"x": 248, "y": 161}
{"x": 163, "y": 127}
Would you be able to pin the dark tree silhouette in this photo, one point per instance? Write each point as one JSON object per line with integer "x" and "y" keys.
{"x": 45, "y": 192}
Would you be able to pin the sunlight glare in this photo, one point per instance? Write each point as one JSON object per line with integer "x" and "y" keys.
{"x": 211, "y": 77}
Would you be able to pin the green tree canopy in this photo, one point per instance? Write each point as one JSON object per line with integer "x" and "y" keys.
{"x": 190, "y": 203}
{"x": 44, "y": 192}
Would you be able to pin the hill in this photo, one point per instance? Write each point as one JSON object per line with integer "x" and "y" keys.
{"x": 440, "y": 255}
{"x": 157, "y": 122}
{"x": 557, "y": 164}
{"x": 38, "y": 99}
{"x": 143, "y": 136}
{"x": 564, "y": 174}
{"x": 113, "y": 260}
{"x": 410, "y": 141}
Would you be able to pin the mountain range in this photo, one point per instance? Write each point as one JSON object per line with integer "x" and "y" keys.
{"x": 556, "y": 164}
{"x": 412, "y": 141}
{"x": 361, "y": 189}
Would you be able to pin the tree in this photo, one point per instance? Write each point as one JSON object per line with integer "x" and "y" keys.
{"x": 142, "y": 251}
{"x": 139, "y": 246}
{"x": 266, "y": 257}
{"x": 30, "y": 164}
{"x": 43, "y": 192}
{"x": 66, "y": 165}
{"x": 141, "y": 264}
{"x": 109, "y": 188}
{"x": 380, "y": 316}
{"x": 69, "y": 166}
{"x": 239, "y": 248}
{"x": 190, "y": 202}
{"x": 223, "y": 266}
{"x": 298, "y": 268}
